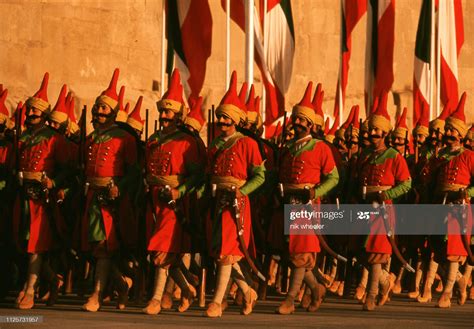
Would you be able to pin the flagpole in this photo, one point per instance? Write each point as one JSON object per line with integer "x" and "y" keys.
{"x": 432, "y": 61}
{"x": 249, "y": 42}
{"x": 227, "y": 43}
{"x": 265, "y": 51}
{"x": 163, "y": 52}
{"x": 438, "y": 64}
{"x": 339, "y": 84}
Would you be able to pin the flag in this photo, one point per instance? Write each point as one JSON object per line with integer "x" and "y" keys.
{"x": 276, "y": 67}
{"x": 379, "y": 48}
{"x": 189, "y": 35}
{"x": 351, "y": 13}
{"x": 422, "y": 71}
{"x": 451, "y": 38}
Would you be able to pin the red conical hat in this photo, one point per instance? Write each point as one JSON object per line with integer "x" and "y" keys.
{"x": 73, "y": 127}
{"x": 109, "y": 96}
{"x": 135, "y": 119}
{"x": 401, "y": 128}
{"x": 195, "y": 118}
{"x": 457, "y": 119}
{"x": 332, "y": 132}
{"x": 59, "y": 114}
{"x": 253, "y": 109}
{"x": 380, "y": 118}
{"x": 1, "y": 88}
{"x": 173, "y": 97}
{"x": 230, "y": 104}
{"x": 122, "y": 113}
{"x": 421, "y": 127}
{"x": 342, "y": 130}
{"x": 318, "y": 105}
{"x": 305, "y": 108}
{"x": 3, "y": 108}
{"x": 440, "y": 121}
{"x": 326, "y": 127}
{"x": 20, "y": 107}
{"x": 40, "y": 98}
{"x": 243, "y": 92}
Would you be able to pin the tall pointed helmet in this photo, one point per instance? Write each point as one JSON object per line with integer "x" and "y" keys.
{"x": 439, "y": 122}
{"x": 421, "y": 127}
{"x": 173, "y": 98}
{"x": 243, "y": 92}
{"x": 326, "y": 127}
{"x": 195, "y": 119}
{"x": 318, "y": 105}
{"x": 59, "y": 114}
{"x": 73, "y": 127}
{"x": 4, "y": 114}
{"x": 109, "y": 96}
{"x": 40, "y": 99}
{"x": 340, "y": 133}
{"x": 135, "y": 119}
{"x": 230, "y": 105}
{"x": 305, "y": 107}
{"x": 122, "y": 113}
{"x": 380, "y": 118}
{"x": 470, "y": 134}
{"x": 253, "y": 109}
{"x": 332, "y": 132}
{"x": 457, "y": 120}
{"x": 401, "y": 128}
{"x": 355, "y": 124}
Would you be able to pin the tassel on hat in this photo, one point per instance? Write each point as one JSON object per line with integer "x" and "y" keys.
{"x": 135, "y": 119}
{"x": 109, "y": 96}
{"x": 305, "y": 107}
{"x": 318, "y": 105}
{"x": 401, "y": 128}
{"x": 230, "y": 104}
{"x": 40, "y": 99}
{"x": 173, "y": 97}
{"x": 195, "y": 119}
{"x": 457, "y": 120}
{"x": 59, "y": 114}
{"x": 380, "y": 118}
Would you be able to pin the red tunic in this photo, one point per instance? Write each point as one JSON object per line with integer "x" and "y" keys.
{"x": 6, "y": 165}
{"x": 236, "y": 161}
{"x": 307, "y": 166}
{"x": 458, "y": 170}
{"x": 174, "y": 155}
{"x": 110, "y": 153}
{"x": 389, "y": 169}
{"x": 41, "y": 151}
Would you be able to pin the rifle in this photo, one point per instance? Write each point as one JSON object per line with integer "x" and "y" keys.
{"x": 405, "y": 151}
{"x": 213, "y": 120}
{"x": 209, "y": 127}
{"x": 437, "y": 143}
{"x": 146, "y": 124}
{"x": 416, "y": 153}
{"x": 156, "y": 126}
{"x": 465, "y": 234}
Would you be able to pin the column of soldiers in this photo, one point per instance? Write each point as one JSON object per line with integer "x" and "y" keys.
{"x": 113, "y": 217}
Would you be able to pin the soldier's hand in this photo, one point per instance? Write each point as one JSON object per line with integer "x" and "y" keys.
{"x": 60, "y": 195}
{"x": 462, "y": 195}
{"x": 113, "y": 192}
{"x": 382, "y": 197}
{"x": 174, "y": 194}
{"x": 47, "y": 183}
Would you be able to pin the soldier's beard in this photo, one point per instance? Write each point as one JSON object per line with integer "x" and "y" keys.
{"x": 450, "y": 139}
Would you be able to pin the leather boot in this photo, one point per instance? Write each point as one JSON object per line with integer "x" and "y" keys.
{"x": 93, "y": 303}
{"x": 153, "y": 307}
{"x": 55, "y": 285}
{"x": 27, "y": 302}
{"x": 214, "y": 310}
{"x": 397, "y": 287}
{"x": 462, "y": 290}
{"x": 387, "y": 287}
{"x": 167, "y": 301}
{"x": 306, "y": 300}
{"x": 250, "y": 299}
{"x": 369, "y": 304}
{"x": 187, "y": 298}
{"x": 334, "y": 286}
{"x": 287, "y": 307}
{"x": 430, "y": 277}
{"x": 317, "y": 296}
{"x": 471, "y": 293}
{"x": 444, "y": 301}
{"x": 359, "y": 293}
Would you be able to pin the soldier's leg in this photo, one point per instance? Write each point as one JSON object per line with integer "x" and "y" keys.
{"x": 154, "y": 304}
{"x": 445, "y": 299}
{"x": 430, "y": 277}
{"x": 249, "y": 294}
{"x": 375, "y": 272}
{"x": 462, "y": 280}
{"x": 318, "y": 291}
{"x": 362, "y": 286}
{"x": 188, "y": 292}
{"x": 387, "y": 282}
{"x": 102, "y": 270}
{"x": 296, "y": 279}
{"x": 122, "y": 284}
{"x": 55, "y": 282}
{"x": 26, "y": 297}
{"x": 224, "y": 270}
{"x": 415, "y": 292}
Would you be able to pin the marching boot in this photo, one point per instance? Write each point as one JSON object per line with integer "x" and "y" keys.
{"x": 418, "y": 275}
{"x": 318, "y": 291}
{"x": 397, "y": 287}
{"x": 249, "y": 295}
{"x": 296, "y": 279}
{"x": 430, "y": 276}
{"x": 463, "y": 283}
{"x": 375, "y": 272}
{"x": 26, "y": 301}
{"x": 167, "y": 299}
{"x": 306, "y": 300}
{"x": 471, "y": 293}
{"x": 102, "y": 270}
{"x": 214, "y": 308}
{"x": 439, "y": 286}
{"x": 250, "y": 298}
{"x": 445, "y": 299}
{"x": 55, "y": 285}
{"x": 122, "y": 285}
{"x": 154, "y": 305}
{"x": 361, "y": 288}
{"x": 93, "y": 302}
{"x": 188, "y": 292}
{"x": 387, "y": 283}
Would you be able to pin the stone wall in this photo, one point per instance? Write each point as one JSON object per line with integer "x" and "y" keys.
{"x": 81, "y": 42}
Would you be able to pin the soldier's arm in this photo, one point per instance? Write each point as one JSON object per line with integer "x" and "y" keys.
{"x": 329, "y": 182}
{"x": 402, "y": 178}
{"x": 256, "y": 168}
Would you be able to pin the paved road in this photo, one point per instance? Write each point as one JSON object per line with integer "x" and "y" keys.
{"x": 334, "y": 313}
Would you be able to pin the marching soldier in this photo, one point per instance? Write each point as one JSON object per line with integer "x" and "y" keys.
{"x": 110, "y": 168}
{"x": 383, "y": 176}
{"x": 452, "y": 180}
{"x": 236, "y": 169}
{"x": 42, "y": 168}
{"x": 307, "y": 172}
{"x": 172, "y": 170}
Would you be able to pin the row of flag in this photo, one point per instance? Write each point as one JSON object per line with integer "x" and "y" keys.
{"x": 189, "y": 35}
